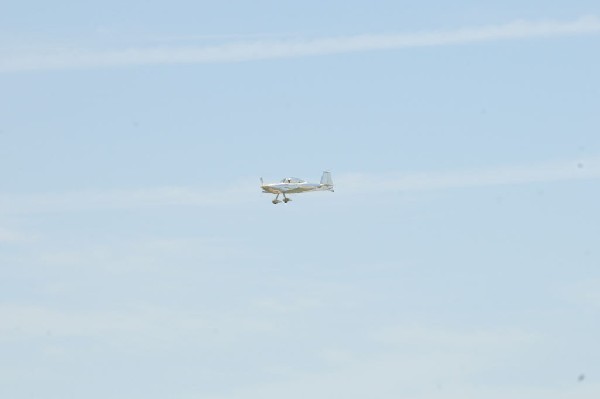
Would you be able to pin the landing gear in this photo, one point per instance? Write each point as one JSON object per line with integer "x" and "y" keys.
{"x": 277, "y": 201}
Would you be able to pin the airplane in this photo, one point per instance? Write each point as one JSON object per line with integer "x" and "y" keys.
{"x": 293, "y": 185}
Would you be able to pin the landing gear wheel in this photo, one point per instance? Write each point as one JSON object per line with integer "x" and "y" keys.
{"x": 286, "y": 200}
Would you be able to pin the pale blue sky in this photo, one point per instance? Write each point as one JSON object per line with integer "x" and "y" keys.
{"x": 458, "y": 257}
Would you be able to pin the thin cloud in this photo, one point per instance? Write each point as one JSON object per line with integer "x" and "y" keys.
{"x": 585, "y": 169}
{"x": 248, "y": 191}
{"x": 64, "y": 58}
{"x": 420, "y": 362}
{"x": 8, "y": 236}
{"x": 127, "y": 324}
{"x": 90, "y": 200}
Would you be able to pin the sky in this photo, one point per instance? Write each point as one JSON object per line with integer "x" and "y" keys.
{"x": 457, "y": 258}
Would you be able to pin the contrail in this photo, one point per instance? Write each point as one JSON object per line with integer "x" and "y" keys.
{"x": 584, "y": 169}
{"x": 73, "y": 58}
{"x": 247, "y": 191}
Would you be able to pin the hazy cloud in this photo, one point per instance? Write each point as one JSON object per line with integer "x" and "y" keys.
{"x": 587, "y": 169}
{"x": 585, "y": 292}
{"x": 67, "y": 58}
{"x": 425, "y": 362}
{"x": 129, "y": 323}
{"x": 247, "y": 191}
{"x": 87, "y": 200}
{"x": 10, "y": 236}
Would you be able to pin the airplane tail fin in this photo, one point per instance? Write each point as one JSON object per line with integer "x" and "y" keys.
{"x": 326, "y": 179}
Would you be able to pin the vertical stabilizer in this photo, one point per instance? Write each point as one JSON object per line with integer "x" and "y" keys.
{"x": 326, "y": 179}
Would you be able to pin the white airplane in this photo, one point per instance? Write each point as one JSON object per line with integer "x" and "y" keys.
{"x": 293, "y": 185}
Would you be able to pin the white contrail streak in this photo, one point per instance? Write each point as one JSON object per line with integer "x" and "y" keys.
{"x": 585, "y": 169}
{"x": 247, "y": 192}
{"x": 90, "y": 200}
{"x": 62, "y": 58}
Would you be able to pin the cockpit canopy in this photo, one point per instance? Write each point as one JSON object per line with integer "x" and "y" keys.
{"x": 292, "y": 180}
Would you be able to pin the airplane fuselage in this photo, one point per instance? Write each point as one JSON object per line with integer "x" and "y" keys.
{"x": 292, "y": 188}
{"x": 293, "y": 185}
